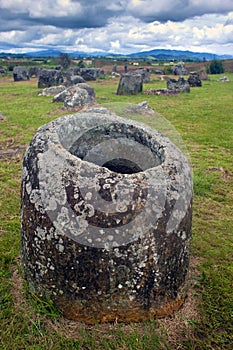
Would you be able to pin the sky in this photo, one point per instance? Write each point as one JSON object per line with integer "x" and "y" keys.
{"x": 117, "y": 26}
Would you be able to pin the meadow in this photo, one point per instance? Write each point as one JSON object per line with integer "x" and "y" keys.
{"x": 204, "y": 121}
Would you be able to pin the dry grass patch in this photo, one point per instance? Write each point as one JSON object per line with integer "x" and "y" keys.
{"x": 176, "y": 327}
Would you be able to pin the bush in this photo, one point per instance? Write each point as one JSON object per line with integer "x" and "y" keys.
{"x": 81, "y": 64}
{"x": 216, "y": 67}
{"x": 169, "y": 70}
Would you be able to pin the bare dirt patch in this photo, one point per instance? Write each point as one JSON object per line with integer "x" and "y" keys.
{"x": 180, "y": 324}
{"x": 15, "y": 152}
{"x": 177, "y": 327}
{"x": 225, "y": 174}
{"x": 8, "y": 149}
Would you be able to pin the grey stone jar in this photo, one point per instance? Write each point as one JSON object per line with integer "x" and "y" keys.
{"x": 106, "y": 218}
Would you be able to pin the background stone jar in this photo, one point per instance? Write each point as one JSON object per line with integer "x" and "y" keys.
{"x": 106, "y": 218}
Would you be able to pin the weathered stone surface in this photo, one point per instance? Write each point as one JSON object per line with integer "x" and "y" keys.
{"x": 75, "y": 79}
{"x": 158, "y": 71}
{"x": 176, "y": 86}
{"x": 34, "y": 72}
{"x": 115, "y": 75}
{"x": 74, "y": 70}
{"x": 90, "y": 89}
{"x": 106, "y": 218}
{"x": 163, "y": 92}
{"x": 72, "y": 77}
{"x": 224, "y": 79}
{"x": 50, "y": 77}
{"x": 203, "y": 75}
{"x": 92, "y": 73}
{"x": 145, "y": 73}
{"x": 114, "y": 68}
{"x": 130, "y": 84}
{"x": 179, "y": 69}
{"x": 52, "y": 91}
{"x": 2, "y": 70}
{"x": 77, "y": 96}
{"x": 20, "y": 73}
{"x": 141, "y": 108}
{"x": 173, "y": 87}
{"x": 194, "y": 79}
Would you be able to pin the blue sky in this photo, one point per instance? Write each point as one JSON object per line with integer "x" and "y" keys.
{"x": 118, "y": 26}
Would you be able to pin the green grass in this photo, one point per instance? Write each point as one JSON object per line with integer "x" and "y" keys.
{"x": 204, "y": 121}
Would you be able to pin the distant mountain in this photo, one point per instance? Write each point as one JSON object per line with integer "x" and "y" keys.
{"x": 157, "y": 54}
{"x": 162, "y": 54}
{"x": 43, "y": 53}
{"x": 56, "y": 53}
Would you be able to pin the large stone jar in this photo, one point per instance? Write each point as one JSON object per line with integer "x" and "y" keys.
{"x": 106, "y": 218}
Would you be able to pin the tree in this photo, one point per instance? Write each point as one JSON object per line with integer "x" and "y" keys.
{"x": 81, "y": 64}
{"x": 64, "y": 60}
{"x": 216, "y": 67}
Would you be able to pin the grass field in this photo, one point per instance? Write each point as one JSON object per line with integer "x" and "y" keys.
{"x": 204, "y": 120}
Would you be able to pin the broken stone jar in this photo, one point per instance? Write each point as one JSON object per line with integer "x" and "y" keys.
{"x": 106, "y": 218}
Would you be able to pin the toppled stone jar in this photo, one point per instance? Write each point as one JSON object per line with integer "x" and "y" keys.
{"x": 106, "y": 218}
